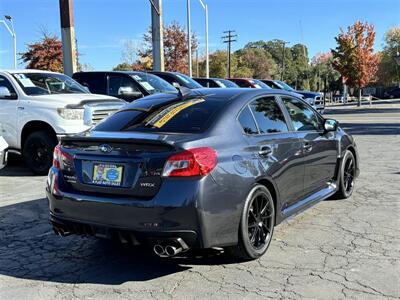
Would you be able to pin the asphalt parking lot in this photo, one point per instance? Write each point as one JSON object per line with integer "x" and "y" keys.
{"x": 336, "y": 250}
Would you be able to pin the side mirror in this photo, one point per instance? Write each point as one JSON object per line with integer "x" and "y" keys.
{"x": 330, "y": 125}
{"x": 128, "y": 91}
{"x": 6, "y": 94}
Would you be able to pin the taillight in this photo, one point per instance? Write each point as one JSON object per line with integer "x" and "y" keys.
{"x": 61, "y": 159}
{"x": 191, "y": 162}
{"x": 57, "y": 157}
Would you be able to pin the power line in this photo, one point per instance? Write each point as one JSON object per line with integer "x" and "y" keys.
{"x": 229, "y": 37}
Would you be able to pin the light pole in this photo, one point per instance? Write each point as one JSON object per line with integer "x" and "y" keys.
{"x": 397, "y": 59}
{"x": 205, "y": 7}
{"x": 12, "y": 32}
{"x": 189, "y": 39}
{"x": 283, "y": 59}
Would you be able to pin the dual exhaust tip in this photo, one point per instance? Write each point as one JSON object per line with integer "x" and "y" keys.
{"x": 61, "y": 231}
{"x": 170, "y": 248}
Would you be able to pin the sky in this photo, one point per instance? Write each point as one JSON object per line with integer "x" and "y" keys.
{"x": 103, "y": 26}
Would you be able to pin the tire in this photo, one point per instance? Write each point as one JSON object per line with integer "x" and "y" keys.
{"x": 256, "y": 227}
{"x": 38, "y": 151}
{"x": 346, "y": 176}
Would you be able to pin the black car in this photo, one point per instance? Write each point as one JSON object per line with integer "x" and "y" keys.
{"x": 212, "y": 168}
{"x": 127, "y": 85}
{"x": 250, "y": 83}
{"x": 178, "y": 79}
{"x": 315, "y": 99}
{"x": 393, "y": 93}
{"x": 216, "y": 83}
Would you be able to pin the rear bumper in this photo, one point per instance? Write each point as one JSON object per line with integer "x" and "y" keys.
{"x": 177, "y": 211}
{"x": 122, "y": 234}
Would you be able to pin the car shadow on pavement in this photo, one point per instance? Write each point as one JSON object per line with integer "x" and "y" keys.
{"x": 30, "y": 250}
{"x": 15, "y": 167}
{"x": 371, "y": 128}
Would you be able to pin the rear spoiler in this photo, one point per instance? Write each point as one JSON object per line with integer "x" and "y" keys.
{"x": 111, "y": 137}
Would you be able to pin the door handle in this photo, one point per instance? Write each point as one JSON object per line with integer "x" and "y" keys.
{"x": 265, "y": 151}
{"x": 21, "y": 107}
{"x": 307, "y": 146}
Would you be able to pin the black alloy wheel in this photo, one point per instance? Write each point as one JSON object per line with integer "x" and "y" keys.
{"x": 256, "y": 226}
{"x": 259, "y": 220}
{"x": 347, "y": 176}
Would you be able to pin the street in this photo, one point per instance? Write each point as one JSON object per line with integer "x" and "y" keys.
{"x": 337, "y": 249}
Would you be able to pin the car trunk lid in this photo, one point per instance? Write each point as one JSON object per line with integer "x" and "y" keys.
{"x": 128, "y": 164}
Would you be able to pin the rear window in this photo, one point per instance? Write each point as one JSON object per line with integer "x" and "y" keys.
{"x": 186, "y": 116}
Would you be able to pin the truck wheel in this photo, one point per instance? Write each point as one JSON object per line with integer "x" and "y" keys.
{"x": 38, "y": 151}
{"x": 256, "y": 225}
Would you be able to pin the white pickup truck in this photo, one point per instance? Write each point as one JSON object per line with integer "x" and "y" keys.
{"x": 38, "y": 106}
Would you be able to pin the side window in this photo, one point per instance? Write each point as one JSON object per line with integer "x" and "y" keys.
{"x": 268, "y": 115}
{"x": 95, "y": 82}
{"x": 247, "y": 121}
{"x": 6, "y": 84}
{"x": 242, "y": 83}
{"x": 303, "y": 117}
{"x": 169, "y": 79}
{"x": 116, "y": 81}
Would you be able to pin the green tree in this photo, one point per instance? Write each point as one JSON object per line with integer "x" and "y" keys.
{"x": 218, "y": 61}
{"x": 389, "y": 69}
{"x": 323, "y": 77}
{"x": 123, "y": 67}
{"x": 354, "y": 58}
{"x": 300, "y": 67}
{"x": 255, "y": 63}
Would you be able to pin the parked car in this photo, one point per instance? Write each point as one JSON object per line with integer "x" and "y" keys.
{"x": 178, "y": 79}
{"x": 211, "y": 168}
{"x": 273, "y": 86}
{"x": 249, "y": 83}
{"x": 216, "y": 83}
{"x": 127, "y": 85}
{"x": 315, "y": 99}
{"x": 393, "y": 93}
{"x": 338, "y": 98}
{"x": 37, "y": 106}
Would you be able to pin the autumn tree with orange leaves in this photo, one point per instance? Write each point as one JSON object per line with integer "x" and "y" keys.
{"x": 354, "y": 57}
{"x": 175, "y": 49}
{"x": 45, "y": 54}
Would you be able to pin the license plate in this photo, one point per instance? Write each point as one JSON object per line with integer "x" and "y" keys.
{"x": 107, "y": 174}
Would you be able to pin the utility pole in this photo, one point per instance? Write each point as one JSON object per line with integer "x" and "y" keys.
{"x": 157, "y": 35}
{"x": 197, "y": 62}
{"x": 189, "y": 38}
{"x": 229, "y": 38}
{"x": 68, "y": 37}
{"x": 283, "y": 59}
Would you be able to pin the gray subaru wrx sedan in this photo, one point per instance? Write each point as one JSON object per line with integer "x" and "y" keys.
{"x": 210, "y": 168}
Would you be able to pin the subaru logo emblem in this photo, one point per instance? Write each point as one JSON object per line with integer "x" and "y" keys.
{"x": 105, "y": 148}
